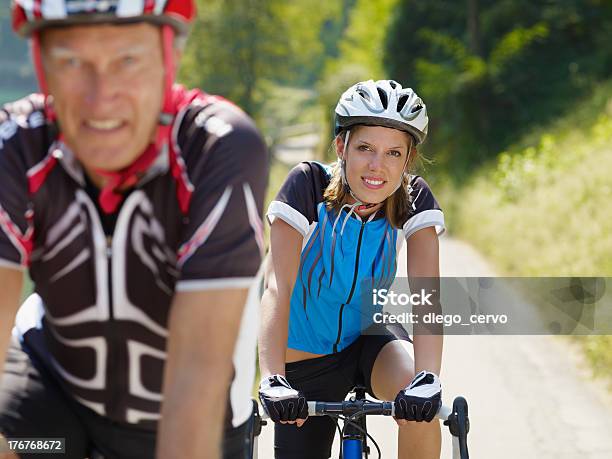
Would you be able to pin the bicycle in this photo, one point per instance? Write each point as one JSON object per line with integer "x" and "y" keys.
{"x": 354, "y": 435}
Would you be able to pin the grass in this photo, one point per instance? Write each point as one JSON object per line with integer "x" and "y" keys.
{"x": 598, "y": 352}
{"x": 543, "y": 209}
{"x": 549, "y": 198}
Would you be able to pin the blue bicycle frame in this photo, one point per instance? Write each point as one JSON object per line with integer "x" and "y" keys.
{"x": 354, "y": 440}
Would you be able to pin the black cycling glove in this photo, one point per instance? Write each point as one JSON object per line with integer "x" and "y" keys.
{"x": 421, "y": 400}
{"x": 281, "y": 401}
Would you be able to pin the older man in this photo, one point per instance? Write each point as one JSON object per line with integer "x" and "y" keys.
{"x": 135, "y": 204}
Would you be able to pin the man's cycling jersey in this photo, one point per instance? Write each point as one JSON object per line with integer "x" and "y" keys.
{"x": 104, "y": 283}
{"x": 342, "y": 259}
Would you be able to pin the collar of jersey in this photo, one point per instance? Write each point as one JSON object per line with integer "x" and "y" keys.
{"x": 380, "y": 215}
{"x": 73, "y": 168}
{"x": 355, "y": 224}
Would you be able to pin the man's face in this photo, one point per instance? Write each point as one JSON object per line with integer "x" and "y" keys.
{"x": 107, "y": 86}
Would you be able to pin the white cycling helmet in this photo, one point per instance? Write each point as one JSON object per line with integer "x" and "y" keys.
{"x": 382, "y": 103}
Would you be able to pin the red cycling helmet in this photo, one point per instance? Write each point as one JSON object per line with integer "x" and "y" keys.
{"x": 32, "y": 15}
{"x": 173, "y": 16}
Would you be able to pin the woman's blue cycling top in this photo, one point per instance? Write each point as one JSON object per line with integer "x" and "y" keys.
{"x": 342, "y": 259}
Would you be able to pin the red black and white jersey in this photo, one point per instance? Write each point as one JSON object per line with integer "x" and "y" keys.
{"x": 104, "y": 283}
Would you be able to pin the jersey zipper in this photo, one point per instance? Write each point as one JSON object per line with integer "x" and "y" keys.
{"x": 111, "y": 331}
{"x": 350, "y": 295}
{"x": 109, "y": 326}
{"x": 109, "y": 270}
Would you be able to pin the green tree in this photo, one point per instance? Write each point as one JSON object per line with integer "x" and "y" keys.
{"x": 490, "y": 70}
{"x": 363, "y": 41}
{"x": 360, "y": 53}
{"x": 234, "y": 45}
{"x": 314, "y": 28}
{"x": 242, "y": 49}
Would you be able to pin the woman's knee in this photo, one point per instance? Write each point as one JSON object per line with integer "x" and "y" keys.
{"x": 393, "y": 369}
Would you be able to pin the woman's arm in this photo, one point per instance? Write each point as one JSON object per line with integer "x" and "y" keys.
{"x": 424, "y": 273}
{"x": 281, "y": 272}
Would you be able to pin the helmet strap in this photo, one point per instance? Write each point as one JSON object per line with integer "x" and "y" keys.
{"x": 40, "y": 75}
{"x": 168, "y": 111}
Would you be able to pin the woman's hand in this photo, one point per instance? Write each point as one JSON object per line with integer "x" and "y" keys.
{"x": 421, "y": 400}
{"x": 282, "y": 402}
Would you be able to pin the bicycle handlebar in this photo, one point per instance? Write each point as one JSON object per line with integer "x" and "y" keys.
{"x": 456, "y": 418}
{"x": 350, "y": 407}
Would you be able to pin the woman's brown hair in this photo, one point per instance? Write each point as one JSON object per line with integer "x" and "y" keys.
{"x": 397, "y": 206}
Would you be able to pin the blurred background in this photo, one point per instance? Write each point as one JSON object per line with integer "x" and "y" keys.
{"x": 519, "y": 94}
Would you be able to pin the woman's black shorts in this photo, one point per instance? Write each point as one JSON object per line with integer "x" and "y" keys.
{"x": 329, "y": 378}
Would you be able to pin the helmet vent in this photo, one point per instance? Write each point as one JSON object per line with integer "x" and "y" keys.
{"x": 401, "y": 102}
{"x": 364, "y": 94}
{"x": 393, "y": 84}
{"x": 416, "y": 108}
{"x": 383, "y": 97}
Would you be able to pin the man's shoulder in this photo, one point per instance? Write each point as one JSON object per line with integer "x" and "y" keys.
{"x": 213, "y": 126}
{"x": 214, "y": 118}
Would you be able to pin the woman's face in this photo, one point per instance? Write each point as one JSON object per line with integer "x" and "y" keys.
{"x": 375, "y": 161}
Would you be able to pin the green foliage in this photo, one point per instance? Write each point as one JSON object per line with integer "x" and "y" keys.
{"x": 286, "y": 106}
{"x": 525, "y": 63}
{"x": 233, "y": 45}
{"x": 360, "y": 57}
{"x": 550, "y": 194}
{"x": 364, "y": 38}
{"x": 238, "y": 47}
{"x": 276, "y": 178}
{"x": 548, "y": 199}
{"x": 314, "y": 28}
{"x": 598, "y": 350}
{"x": 330, "y": 88}
{"x": 11, "y": 95}
{"x": 514, "y": 43}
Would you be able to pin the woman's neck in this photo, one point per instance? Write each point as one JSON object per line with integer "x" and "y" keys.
{"x": 364, "y": 212}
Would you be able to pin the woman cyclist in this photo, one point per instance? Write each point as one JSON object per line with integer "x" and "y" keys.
{"x": 335, "y": 235}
